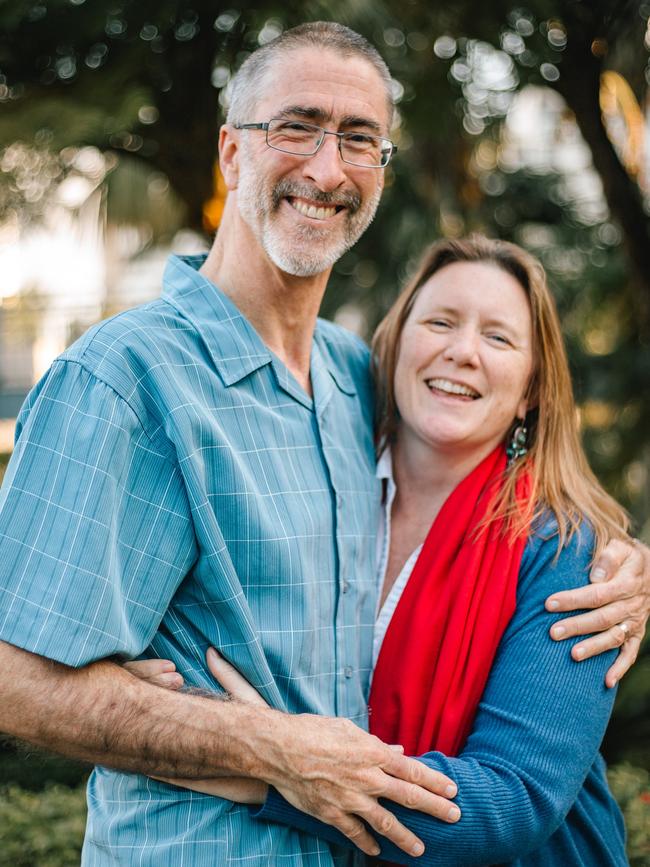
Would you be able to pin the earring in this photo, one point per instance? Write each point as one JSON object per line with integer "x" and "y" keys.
{"x": 518, "y": 445}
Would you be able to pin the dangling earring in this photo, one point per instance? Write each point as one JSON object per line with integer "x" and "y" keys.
{"x": 518, "y": 445}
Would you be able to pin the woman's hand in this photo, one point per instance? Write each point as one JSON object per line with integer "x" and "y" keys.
{"x": 619, "y": 596}
{"x": 231, "y": 680}
{"x": 162, "y": 672}
{"x": 238, "y": 789}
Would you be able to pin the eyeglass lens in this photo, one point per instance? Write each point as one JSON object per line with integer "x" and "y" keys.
{"x": 296, "y": 137}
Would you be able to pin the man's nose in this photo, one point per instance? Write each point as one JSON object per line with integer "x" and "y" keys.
{"x": 326, "y": 168}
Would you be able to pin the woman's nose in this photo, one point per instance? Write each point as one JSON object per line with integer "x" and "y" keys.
{"x": 462, "y": 347}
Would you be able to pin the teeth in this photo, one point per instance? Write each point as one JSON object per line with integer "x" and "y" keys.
{"x": 452, "y": 387}
{"x": 312, "y": 211}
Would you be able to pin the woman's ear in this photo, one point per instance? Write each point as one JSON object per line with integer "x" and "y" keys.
{"x": 530, "y": 400}
{"x": 522, "y": 407}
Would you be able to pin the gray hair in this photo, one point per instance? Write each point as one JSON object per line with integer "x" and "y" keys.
{"x": 246, "y": 85}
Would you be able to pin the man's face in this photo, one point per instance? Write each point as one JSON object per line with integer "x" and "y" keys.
{"x": 306, "y": 211}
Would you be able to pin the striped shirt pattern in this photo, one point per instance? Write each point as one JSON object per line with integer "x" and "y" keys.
{"x": 173, "y": 487}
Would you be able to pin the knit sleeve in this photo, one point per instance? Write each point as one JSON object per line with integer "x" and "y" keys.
{"x": 535, "y": 737}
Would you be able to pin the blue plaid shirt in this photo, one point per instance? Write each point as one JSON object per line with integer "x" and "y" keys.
{"x": 173, "y": 487}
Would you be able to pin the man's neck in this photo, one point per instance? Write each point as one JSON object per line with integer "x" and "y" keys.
{"x": 282, "y": 308}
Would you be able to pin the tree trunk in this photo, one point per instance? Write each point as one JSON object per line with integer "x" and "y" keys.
{"x": 579, "y": 84}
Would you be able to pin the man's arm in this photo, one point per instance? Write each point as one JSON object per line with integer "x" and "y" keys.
{"x": 619, "y": 602}
{"x": 329, "y": 767}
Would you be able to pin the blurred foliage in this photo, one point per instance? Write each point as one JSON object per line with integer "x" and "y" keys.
{"x": 43, "y": 829}
{"x": 631, "y": 788}
{"x": 30, "y": 768}
{"x": 143, "y": 83}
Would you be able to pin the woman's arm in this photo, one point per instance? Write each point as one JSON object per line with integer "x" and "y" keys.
{"x": 535, "y": 737}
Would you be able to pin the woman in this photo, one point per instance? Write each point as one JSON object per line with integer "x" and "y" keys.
{"x": 490, "y": 507}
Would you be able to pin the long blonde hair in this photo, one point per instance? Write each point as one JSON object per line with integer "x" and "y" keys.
{"x": 560, "y": 476}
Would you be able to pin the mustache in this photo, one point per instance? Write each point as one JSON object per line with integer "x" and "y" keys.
{"x": 343, "y": 198}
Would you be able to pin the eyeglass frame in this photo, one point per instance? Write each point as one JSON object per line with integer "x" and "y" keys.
{"x": 340, "y": 135}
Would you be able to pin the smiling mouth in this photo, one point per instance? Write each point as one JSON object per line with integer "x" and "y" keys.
{"x": 314, "y": 212}
{"x": 456, "y": 389}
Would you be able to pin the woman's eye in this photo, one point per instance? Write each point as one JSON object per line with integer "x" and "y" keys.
{"x": 499, "y": 338}
{"x": 439, "y": 323}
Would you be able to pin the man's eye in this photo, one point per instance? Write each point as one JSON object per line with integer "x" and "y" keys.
{"x": 294, "y": 126}
{"x": 359, "y": 138}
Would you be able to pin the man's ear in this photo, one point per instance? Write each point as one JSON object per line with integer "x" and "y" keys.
{"x": 229, "y": 155}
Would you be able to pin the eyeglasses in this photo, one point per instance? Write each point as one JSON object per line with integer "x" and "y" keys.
{"x": 305, "y": 139}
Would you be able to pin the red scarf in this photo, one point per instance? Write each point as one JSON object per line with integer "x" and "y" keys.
{"x": 441, "y": 641}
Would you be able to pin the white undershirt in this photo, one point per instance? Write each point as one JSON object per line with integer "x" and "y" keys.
{"x": 385, "y": 472}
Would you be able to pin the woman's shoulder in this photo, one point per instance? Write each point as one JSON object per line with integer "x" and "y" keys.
{"x": 551, "y": 566}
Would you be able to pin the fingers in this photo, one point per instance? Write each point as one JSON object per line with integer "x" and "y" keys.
{"x": 608, "y": 640}
{"x": 412, "y": 771}
{"x": 387, "y": 825}
{"x": 231, "y": 680}
{"x": 160, "y": 672}
{"x": 356, "y": 831}
{"x": 610, "y": 560}
{"x": 413, "y": 797}
{"x": 592, "y": 596}
{"x": 624, "y": 661}
{"x": 600, "y": 620}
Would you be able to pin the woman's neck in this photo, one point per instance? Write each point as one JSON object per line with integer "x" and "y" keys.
{"x": 426, "y": 475}
{"x": 424, "y": 478}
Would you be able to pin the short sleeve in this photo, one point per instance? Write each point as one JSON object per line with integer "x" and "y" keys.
{"x": 95, "y": 525}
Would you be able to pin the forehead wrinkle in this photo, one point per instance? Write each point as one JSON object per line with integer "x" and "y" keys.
{"x": 332, "y": 88}
{"x": 307, "y": 111}
{"x": 320, "y": 114}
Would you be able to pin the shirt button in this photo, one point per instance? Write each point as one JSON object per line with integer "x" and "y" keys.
{"x": 348, "y": 671}
{"x": 346, "y": 586}
{"x": 339, "y": 500}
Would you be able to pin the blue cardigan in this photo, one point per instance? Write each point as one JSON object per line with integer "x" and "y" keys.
{"x": 531, "y": 783}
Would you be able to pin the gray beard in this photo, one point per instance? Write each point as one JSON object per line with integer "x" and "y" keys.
{"x": 302, "y": 254}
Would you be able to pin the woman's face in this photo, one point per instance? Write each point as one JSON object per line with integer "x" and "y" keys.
{"x": 465, "y": 359}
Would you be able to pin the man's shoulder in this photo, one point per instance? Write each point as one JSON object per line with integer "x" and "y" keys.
{"x": 346, "y": 349}
{"x": 131, "y": 332}
{"x": 341, "y": 338}
{"x": 133, "y": 346}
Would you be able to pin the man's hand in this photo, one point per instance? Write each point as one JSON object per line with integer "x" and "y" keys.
{"x": 337, "y": 772}
{"x": 329, "y": 768}
{"x": 619, "y": 596}
{"x": 333, "y": 770}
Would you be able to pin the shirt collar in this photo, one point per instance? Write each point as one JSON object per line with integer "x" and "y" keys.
{"x": 384, "y": 469}
{"x": 236, "y": 348}
{"x": 233, "y": 343}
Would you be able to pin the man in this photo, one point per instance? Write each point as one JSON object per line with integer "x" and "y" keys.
{"x": 200, "y": 471}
